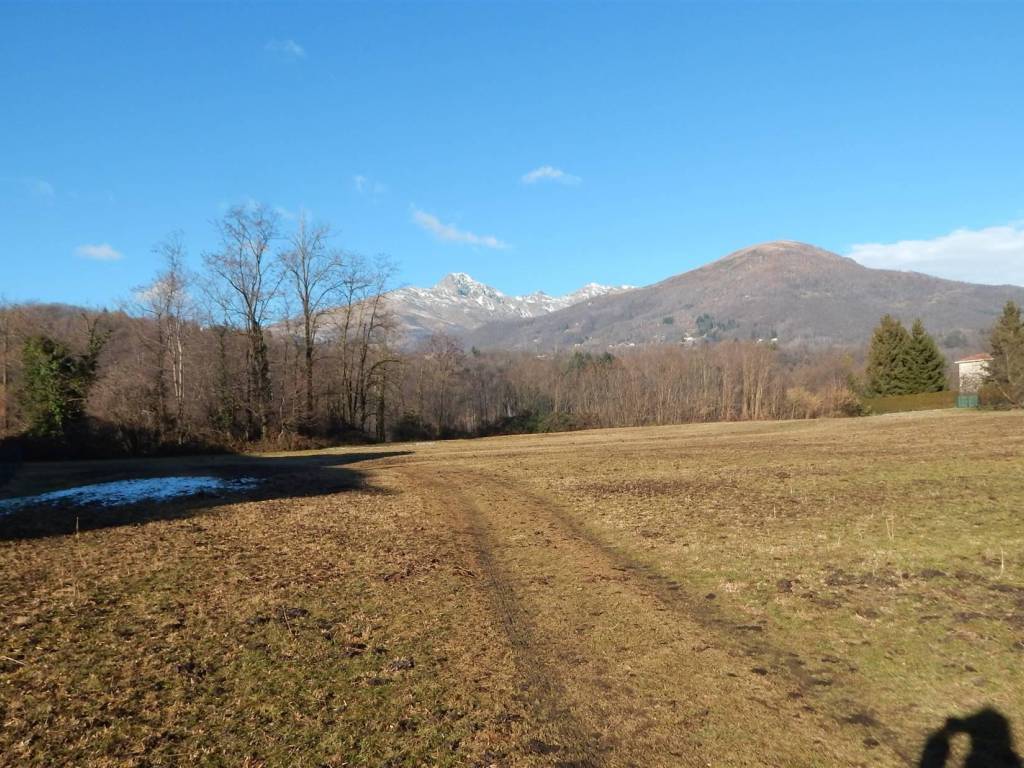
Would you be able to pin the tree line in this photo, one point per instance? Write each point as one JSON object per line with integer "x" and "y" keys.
{"x": 140, "y": 382}
{"x": 448, "y": 392}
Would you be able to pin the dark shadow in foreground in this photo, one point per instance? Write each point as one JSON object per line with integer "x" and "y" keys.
{"x": 991, "y": 742}
{"x": 282, "y": 477}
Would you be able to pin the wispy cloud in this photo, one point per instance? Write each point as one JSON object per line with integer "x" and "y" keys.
{"x": 286, "y": 213}
{"x": 453, "y": 234}
{"x": 367, "y": 186}
{"x": 32, "y": 186}
{"x": 100, "y": 252}
{"x": 41, "y": 188}
{"x": 990, "y": 255}
{"x": 288, "y": 48}
{"x": 549, "y": 173}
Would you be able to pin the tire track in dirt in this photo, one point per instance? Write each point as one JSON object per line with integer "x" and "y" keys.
{"x": 624, "y": 668}
{"x": 744, "y": 638}
{"x": 559, "y": 734}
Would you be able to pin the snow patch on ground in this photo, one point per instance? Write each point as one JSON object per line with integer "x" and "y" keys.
{"x": 129, "y": 492}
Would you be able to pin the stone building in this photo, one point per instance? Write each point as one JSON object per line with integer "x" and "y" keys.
{"x": 972, "y": 371}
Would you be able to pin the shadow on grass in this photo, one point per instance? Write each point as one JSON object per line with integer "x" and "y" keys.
{"x": 285, "y": 477}
{"x": 991, "y": 742}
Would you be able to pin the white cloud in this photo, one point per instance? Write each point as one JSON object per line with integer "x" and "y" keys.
{"x": 288, "y": 48}
{"x": 991, "y": 255}
{"x": 100, "y": 252}
{"x": 549, "y": 173}
{"x": 452, "y": 233}
{"x": 150, "y": 292}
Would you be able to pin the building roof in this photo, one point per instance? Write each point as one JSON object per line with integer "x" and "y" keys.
{"x": 974, "y": 358}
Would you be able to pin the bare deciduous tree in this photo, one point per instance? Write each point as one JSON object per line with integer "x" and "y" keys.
{"x": 315, "y": 275}
{"x": 444, "y": 360}
{"x": 245, "y": 282}
{"x": 166, "y": 302}
{"x": 363, "y": 327}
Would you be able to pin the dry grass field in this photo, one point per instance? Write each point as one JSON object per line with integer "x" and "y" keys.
{"x": 764, "y": 594}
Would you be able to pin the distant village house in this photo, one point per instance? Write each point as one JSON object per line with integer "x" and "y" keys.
{"x": 972, "y": 371}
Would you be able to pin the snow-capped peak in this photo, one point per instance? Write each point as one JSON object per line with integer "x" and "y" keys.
{"x": 459, "y": 303}
{"x": 592, "y": 290}
{"x": 461, "y": 284}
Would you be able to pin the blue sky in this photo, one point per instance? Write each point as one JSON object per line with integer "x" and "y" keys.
{"x": 659, "y": 137}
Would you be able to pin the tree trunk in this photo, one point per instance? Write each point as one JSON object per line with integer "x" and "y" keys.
{"x": 309, "y": 376}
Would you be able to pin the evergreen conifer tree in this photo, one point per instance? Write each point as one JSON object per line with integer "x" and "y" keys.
{"x": 1006, "y": 345}
{"x": 889, "y": 367}
{"x": 57, "y": 383}
{"x": 927, "y": 364}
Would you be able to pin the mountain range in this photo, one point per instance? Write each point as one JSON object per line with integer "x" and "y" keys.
{"x": 792, "y": 292}
{"x": 459, "y": 304}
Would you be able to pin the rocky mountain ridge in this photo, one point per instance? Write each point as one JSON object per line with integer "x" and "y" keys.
{"x": 458, "y": 304}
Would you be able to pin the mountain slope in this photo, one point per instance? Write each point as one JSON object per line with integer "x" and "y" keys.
{"x": 458, "y": 304}
{"x": 793, "y": 291}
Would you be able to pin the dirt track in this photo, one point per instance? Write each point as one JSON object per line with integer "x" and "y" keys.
{"x": 622, "y": 666}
